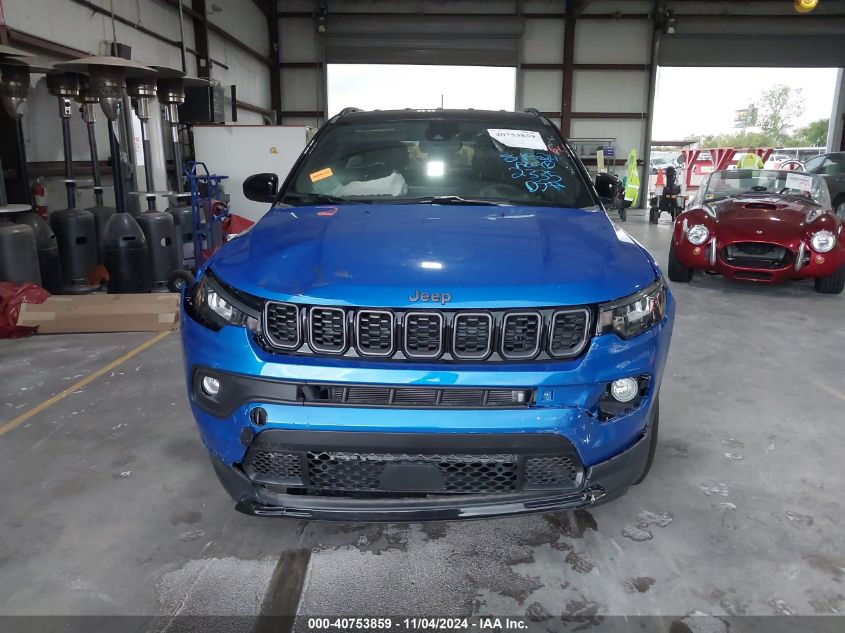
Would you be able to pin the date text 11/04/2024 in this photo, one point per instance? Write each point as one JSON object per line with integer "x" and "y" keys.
{"x": 417, "y": 624}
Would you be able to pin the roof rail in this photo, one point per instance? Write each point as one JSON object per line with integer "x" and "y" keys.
{"x": 348, "y": 110}
{"x": 533, "y": 111}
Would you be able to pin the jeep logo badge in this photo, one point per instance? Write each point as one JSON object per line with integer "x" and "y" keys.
{"x": 434, "y": 297}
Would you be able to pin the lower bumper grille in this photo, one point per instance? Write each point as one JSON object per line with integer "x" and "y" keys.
{"x": 757, "y": 255}
{"x": 333, "y": 472}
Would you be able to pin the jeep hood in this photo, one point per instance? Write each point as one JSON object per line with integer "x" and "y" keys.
{"x": 483, "y": 256}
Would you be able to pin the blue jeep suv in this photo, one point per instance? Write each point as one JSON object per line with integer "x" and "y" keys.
{"x": 435, "y": 320}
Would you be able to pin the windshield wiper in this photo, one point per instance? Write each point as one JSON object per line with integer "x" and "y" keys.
{"x": 458, "y": 200}
{"x": 321, "y": 198}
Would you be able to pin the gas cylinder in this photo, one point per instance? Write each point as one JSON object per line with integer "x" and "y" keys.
{"x": 48, "y": 250}
{"x": 159, "y": 230}
{"x": 18, "y": 255}
{"x": 76, "y": 235}
{"x": 125, "y": 255}
{"x": 183, "y": 221}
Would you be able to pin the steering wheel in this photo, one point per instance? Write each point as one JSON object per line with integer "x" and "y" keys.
{"x": 792, "y": 165}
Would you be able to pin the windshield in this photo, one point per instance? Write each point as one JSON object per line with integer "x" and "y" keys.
{"x": 442, "y": 160}
{"x": 735, "y": 182}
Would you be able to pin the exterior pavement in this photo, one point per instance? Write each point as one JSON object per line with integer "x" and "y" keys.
{"x": 110, "y": 506}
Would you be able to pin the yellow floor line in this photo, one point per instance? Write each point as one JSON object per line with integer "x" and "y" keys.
{"x": 8, "y": 426}
{"x": 830, "y": 390}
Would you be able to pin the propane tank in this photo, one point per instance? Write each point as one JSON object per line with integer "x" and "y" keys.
{"x": 39, "y": 196}
{"x": 48, "y": 250}
{"x": 18, "y": 255}
{"x": 159, "y": 230}
{"x": 125, "y": 255}
{"x": 183, "y": 222}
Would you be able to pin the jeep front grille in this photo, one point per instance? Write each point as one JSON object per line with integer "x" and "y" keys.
{"x": 569, "y": 332}
{"x": 327, "y": 330}
{"x": 423, "y": 334}
{"x": 430, "y": 335}
{"x": 521, "y": 335}
{"x": 282, "y": 325}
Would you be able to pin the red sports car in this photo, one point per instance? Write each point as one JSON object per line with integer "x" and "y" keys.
{"x": 761, "y": 225}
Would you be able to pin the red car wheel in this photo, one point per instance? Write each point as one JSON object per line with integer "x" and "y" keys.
{"x": 677, "y": 271}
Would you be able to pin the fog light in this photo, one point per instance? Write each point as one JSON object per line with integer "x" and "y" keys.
{"x": 624, "y": 389}
{"x": 210, "y": 385}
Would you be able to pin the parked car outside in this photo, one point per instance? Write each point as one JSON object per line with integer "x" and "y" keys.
{"x": 831, "y": 167}
{"x": 436, "y": 320}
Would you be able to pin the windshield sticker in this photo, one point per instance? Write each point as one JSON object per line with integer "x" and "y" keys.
{"x": 527, "y": 139}
{"x": 316, "y": 176}
{"x": 535, "y": 170}
{"x": 801, "y": 182}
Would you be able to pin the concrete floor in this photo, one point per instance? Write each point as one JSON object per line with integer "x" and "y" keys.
{"x": 110, "y": 507}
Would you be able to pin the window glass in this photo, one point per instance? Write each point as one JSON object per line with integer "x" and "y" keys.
{"x": 413, "y": 159}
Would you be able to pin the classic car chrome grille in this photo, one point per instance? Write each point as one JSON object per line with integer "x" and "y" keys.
{"x": 447, "y": 335}
{"x": 759, "y": 255}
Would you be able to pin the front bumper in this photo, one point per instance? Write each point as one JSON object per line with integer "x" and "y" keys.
{"x": 598, "y": 484}
{"x": 611, "y": 453}
{"x": 802, "y": 262}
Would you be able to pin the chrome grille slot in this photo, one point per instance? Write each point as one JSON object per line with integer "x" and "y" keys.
{"x": 521, "y": 335}
{"x": 282, "y": 325}
{"x": 568, "y": 332}
{"x": 327, "y": 330}
{"x": 423, "y": 334}
{"x": 374, "y": 332}
{"x": 471, "y": 336}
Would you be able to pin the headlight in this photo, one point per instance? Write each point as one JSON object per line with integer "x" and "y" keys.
{"x": 215, "y": 306}
{"x": 698, "y": 234}
{"x": 635, "y": 314}
{"x": 823, "y": 241}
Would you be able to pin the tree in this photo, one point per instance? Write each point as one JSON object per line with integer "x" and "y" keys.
{"x": 814, "y": 134}
{"x": 776, "y": 110}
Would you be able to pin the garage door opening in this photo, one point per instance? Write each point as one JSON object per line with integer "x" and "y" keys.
{"x": 786, "y": 112}
{"x": 395, "y": 86}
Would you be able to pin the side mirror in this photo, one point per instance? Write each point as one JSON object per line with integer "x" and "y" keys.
{"x": 606, "y": 186}
{"x": 262, "y": 187}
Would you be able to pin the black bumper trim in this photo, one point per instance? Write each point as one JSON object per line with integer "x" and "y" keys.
{"x": 602, "y": 482}
{"x": 237, "y": 390}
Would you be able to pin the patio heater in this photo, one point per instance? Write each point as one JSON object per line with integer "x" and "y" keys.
{"x": 102, "y": 212}
{"x": 14, "y": 86}
{"x": 158, "y": 226}
{"x": 123, "y": 243}
{"x": 75, "y": 229}
{"x": 171, "y": 94}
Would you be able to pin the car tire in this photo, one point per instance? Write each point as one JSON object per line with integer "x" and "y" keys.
{"x": 833, "y": 284}
{"x": 677, "y": 271}
{"x": 179, "y": 279}
{"x": 652, "y": 444}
